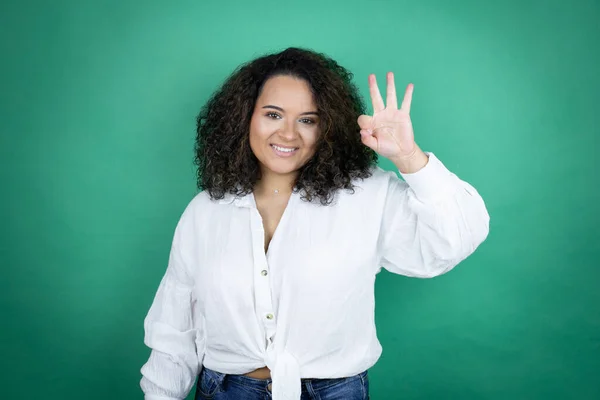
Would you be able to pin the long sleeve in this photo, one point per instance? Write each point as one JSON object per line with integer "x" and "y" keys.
{"x": 431, "y": 221}
{"x": 170, "y": 329}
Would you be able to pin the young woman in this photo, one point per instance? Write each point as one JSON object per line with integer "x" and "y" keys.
{"x": 269, "y": 289}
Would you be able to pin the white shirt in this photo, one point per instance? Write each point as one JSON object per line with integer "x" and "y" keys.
{"x": 306, "y": 308}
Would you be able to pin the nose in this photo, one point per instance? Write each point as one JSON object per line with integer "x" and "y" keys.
{"x": 288, "y": 130}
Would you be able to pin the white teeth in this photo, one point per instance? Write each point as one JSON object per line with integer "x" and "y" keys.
{"x": 282, "y": 149}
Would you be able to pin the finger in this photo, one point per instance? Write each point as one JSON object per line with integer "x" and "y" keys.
{"x": 365, "y": 122}
{"x": 368, "y": 139}
{"x": 375, "y": 95}
{"x": 391, "y": 100}
{"x": 407, "y": 98}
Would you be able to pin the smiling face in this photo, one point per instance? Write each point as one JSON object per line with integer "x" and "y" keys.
{"x": 285, "y": 125}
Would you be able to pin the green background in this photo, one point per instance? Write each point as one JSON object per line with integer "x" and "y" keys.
{"x": 98, "y": 103}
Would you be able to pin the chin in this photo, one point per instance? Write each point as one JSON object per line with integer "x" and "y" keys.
{"x": 281, "y": 168}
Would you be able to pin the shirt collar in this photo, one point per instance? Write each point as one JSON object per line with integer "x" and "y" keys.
{"x": 247, "y": 201}
{"x": 238, "y": 201}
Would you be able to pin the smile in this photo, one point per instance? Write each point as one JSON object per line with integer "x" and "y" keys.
{"x": 284, "y": 150}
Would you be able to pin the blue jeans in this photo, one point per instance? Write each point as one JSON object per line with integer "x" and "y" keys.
{"x": 213, "y": 385}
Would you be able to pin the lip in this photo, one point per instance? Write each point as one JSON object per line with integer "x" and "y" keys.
{"x": 282, "y": 153}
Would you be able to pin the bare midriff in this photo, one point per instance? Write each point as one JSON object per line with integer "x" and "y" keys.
{"x": 261, "y": 373}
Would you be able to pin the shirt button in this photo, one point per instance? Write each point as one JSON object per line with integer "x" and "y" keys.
{"x": 269, "y": 316}
{"x": 263, "y": 272}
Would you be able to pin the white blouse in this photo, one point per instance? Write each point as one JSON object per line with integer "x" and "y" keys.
{"x": 305, "y": 309}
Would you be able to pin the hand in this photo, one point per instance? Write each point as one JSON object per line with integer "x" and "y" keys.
{"x": 389, "y": 131}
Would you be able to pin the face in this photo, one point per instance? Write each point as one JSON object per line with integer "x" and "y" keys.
{"x": 285, "y": 125}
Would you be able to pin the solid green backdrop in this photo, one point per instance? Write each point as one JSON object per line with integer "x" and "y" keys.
{"x": 98, "y": 102}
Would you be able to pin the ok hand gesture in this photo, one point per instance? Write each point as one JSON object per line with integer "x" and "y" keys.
{"x": 389, "y": 131}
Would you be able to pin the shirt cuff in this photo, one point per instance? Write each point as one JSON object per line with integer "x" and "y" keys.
{"x": 432, "y": 182}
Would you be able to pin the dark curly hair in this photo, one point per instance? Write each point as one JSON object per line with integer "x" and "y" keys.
{"x": 226, "y": 163}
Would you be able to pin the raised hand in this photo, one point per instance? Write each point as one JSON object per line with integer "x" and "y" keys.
{"x": 389, "y": 131}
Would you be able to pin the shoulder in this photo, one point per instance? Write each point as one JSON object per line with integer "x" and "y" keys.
{"x": 202, "y": 200}
{"x": 370, "y": 191}
{"x": 200, "y": 205}
{"x": 380, "y": 180}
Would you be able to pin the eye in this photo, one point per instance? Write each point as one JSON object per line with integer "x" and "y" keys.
{"x": 273, "y": 115}
{"x": 307, "y": 121}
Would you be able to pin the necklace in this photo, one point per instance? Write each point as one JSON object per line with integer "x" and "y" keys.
{"x": 279, "y": 192}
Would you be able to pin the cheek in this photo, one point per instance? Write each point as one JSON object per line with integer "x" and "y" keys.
{"x": 260, "y": 129}
{"x": 255, "y": 135}
{"x": 310, "y": 137}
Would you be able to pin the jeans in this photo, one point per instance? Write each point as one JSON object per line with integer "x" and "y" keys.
{"x": 213, "y": 385}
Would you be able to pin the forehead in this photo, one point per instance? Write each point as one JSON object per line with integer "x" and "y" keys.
{"x": 287, "y": 91}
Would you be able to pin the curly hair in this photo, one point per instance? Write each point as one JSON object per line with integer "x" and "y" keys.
{"x": 225, "y": 161}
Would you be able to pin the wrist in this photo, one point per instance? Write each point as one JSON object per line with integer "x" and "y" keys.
{"x": 412, "y": 162}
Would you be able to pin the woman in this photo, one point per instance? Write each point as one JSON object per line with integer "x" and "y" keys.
{"x": 269, "y": 290}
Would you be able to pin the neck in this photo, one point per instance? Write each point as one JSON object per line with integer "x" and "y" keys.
{"x": 272, "y": 183}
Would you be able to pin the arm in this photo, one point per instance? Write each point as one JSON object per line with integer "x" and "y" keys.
{"x": 431, "y": 221}
{"x": 170, "y": 329}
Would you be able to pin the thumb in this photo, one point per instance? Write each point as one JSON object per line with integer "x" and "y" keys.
{"x": 365, "y": 122}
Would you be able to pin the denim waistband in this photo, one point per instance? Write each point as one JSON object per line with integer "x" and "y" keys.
{"x": 261, "y": 384}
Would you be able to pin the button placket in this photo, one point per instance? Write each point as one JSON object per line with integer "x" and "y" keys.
{"x": 262, "y": 283}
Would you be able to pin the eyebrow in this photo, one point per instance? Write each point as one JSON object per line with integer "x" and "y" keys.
{"x": 281, "y": 109}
